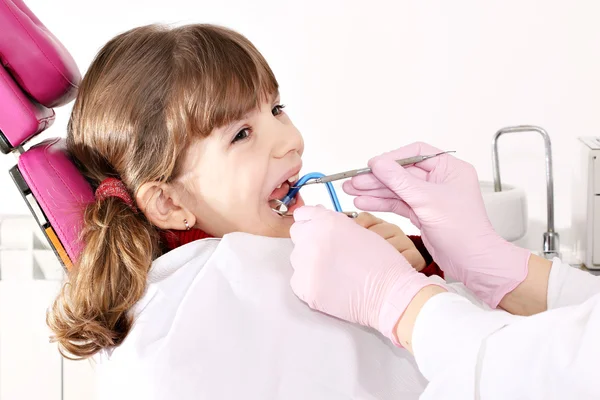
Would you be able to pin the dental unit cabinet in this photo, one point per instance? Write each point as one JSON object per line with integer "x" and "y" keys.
{"x": 585, "y": 191}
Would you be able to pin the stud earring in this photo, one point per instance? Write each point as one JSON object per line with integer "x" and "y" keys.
{"x": 187, "y": 226}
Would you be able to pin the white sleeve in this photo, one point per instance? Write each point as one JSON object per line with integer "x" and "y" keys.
{"x": 570, "y": 286}
{"x": 469, "y": 353}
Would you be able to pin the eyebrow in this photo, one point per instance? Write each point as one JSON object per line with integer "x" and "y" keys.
{"x": 275, "y": 95}
{"x": 225, "y": 130}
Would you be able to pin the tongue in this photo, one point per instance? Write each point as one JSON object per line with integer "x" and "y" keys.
{"x": 280, "y": 193}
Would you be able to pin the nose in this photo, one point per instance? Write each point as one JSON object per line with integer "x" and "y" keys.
{"x": 287, "y": 140}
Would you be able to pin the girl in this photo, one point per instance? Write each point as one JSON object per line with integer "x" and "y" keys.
{"x": 182, "y": 132}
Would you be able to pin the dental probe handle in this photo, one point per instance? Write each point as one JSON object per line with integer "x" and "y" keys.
{"x": 362, "y": 171}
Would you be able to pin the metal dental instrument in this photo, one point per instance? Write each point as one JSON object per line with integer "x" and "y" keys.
{"x": 281, "y": 206}
{"x": 362, "y": 171}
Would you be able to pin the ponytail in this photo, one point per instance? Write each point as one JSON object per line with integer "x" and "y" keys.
{"x": 91, "y": 311}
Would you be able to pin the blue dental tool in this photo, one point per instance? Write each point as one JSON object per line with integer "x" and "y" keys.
{"x": 281, "y": 206}
{"x": 302, "y": 181}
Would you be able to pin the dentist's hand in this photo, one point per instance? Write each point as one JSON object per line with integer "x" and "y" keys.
{"x": 350, "y": 272}
{"x": 441, "y": 196}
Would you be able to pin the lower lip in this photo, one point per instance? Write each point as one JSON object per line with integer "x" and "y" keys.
{"x": 299, "y": 203}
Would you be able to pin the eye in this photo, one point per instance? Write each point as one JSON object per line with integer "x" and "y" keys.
{"x": 278, "y": 109}
{"x": 241, "y": 135}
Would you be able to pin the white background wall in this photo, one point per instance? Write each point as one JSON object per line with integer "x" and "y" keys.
{"x": 362, "y": 77}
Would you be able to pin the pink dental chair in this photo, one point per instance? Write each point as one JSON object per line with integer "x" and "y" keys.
{"x": 37, "y": 74}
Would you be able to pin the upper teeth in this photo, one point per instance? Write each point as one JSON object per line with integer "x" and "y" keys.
{"x": 294, "y": 178}
{"x": 279, "y": 187}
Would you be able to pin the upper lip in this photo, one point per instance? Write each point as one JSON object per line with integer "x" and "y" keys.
{"x": 283, "y": 178}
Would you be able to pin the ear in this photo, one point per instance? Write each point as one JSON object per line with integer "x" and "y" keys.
{"x": 161, "y": 204}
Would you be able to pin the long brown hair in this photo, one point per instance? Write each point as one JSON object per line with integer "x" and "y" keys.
{"x": 147, "y": 95}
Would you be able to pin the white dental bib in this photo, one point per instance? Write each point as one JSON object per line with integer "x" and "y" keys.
{"x": 220, "y": 321}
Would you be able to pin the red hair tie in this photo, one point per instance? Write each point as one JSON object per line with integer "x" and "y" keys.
{"x": 113, "y": 187}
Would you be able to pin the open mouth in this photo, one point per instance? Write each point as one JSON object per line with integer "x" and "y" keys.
{"x": 282, "y": 190}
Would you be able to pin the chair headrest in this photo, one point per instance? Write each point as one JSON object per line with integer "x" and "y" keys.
{"x": 59, "y": 188}
{"x": 36, "y": 59}
{"x": 20, "y": 118}
{"x": 36, "y": 74}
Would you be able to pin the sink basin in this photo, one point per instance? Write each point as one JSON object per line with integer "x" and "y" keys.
{"x": 507, "y": 210}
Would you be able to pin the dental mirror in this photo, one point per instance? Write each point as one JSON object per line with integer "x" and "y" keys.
{"x": 280, "y": 208}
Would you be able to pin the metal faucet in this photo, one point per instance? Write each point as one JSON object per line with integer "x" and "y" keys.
{"x": 551, "y": 238}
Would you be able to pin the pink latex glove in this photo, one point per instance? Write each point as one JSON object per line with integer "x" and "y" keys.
{"x": 349, "y": 272}
{"x": 441, "y": 196}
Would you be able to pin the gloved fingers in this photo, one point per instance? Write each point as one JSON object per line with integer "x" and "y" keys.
{"x": 365, "y": 182}
{"x": 376, "y": 204}
{"x": 310, "y": 221}
{"x": 412, "y": 150}
{"x": 383, "y": 193}
{"x": 298, "y": 231}
{"x": 370, "y": 181}
{"x": 307, "y": 213}
{"x": 404, "y": 184}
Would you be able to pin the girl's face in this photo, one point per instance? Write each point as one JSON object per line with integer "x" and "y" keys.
{"x": 231, "y": 175}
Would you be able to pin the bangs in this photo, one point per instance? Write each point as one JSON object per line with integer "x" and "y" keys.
{"x": 224, "y": 77}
